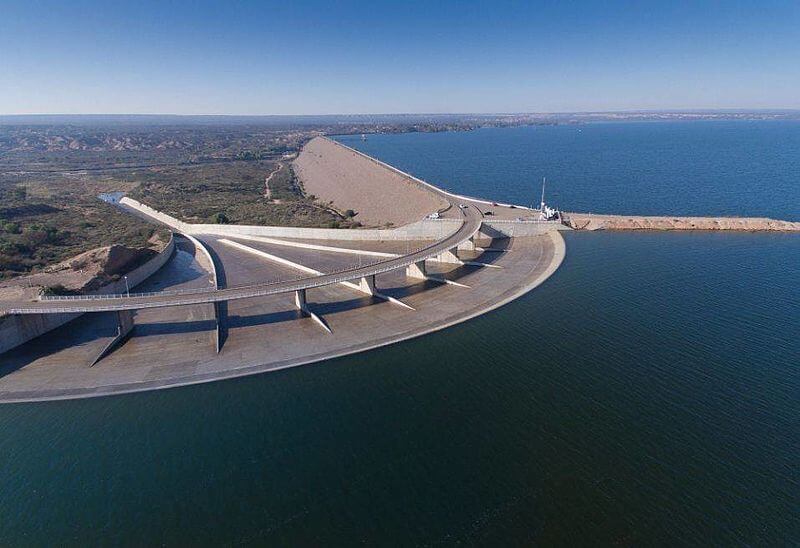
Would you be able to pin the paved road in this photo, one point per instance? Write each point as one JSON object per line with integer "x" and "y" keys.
{"x": 471, "y": 223}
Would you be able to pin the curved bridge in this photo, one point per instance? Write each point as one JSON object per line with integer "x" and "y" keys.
{"x": 471, "y": 224}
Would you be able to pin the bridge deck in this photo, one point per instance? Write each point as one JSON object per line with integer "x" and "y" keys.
{"x": 472, "y": 219}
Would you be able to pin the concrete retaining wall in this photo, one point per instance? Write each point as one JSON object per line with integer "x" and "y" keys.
{"x": 154, "y": 214}
{"x": 201, "y": 247}
{"x": 16, "y": 329}
{"x": 503, "y": 229}
{"x": 428, "y": 229}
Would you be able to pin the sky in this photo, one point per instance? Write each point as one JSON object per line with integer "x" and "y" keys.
{"x": 348, "y": 57}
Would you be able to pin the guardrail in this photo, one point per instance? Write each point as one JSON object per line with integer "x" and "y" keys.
{"x": 182, "y": 298}
{"x": 523, "y": 221}
{"x": 201, "y": 291}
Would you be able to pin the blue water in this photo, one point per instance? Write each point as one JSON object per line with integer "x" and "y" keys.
{"x": 647, "y": 394}
{"x": 649, "y": 168}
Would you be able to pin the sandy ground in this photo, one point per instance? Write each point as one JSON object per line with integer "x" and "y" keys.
{"x": 88, "y": 271}
{"x": 591, "y": 221}
{"x": 379, "y": 196}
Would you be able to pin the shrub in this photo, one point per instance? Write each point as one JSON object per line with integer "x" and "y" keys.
{"x": 12, "y": 248}
{"x": 57, "y": 289}
{"x": 220, "y": 219}
{"x": 36, "y": 235}
{"x": 12, "y": 228}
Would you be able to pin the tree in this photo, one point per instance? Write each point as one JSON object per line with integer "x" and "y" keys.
{"x": 220, "y": 219}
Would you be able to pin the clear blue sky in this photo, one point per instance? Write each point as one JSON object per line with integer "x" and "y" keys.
{"x": 306, "y": 57}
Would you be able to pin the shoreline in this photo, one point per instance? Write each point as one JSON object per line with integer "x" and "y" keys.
{"x": 596, "y": 221}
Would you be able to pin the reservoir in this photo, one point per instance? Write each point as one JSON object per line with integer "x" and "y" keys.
{"x": 646, "y": 393}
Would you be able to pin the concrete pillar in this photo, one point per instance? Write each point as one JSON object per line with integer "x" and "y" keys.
{"x": 302, "y": 306}
{"x": 469, "y": 245}
{"x": 300, "y": 299}
{"x": 417, "y": 270}
{"x": 218, "y": 337}
{"x": 491, "y": 232}
{"x": 125, "y": 321}
{"x": 450, "y": 256}
{"x": 124, "y": 328}
{"x": 367, "y": 284}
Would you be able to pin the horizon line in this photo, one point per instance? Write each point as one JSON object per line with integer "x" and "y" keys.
{"x": 499, "y": 113}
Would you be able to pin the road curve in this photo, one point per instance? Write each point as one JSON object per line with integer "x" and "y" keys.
{"x": 471, "y": 222}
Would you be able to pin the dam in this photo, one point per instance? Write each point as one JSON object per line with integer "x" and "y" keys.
{"x": 239, "y": 300}
{"x": 223, "y": 301}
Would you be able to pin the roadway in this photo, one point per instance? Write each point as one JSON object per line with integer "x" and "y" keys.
{"x": 472, "y": 218}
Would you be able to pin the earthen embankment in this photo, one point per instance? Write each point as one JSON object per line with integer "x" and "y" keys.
{"x": 591, "y": 221}
{"x": 379, "y": 196}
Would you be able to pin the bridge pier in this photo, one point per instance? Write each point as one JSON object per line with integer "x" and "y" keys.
{"x": 367, "y": 285}
{"x": 417, "y": 270}
{"x": 300, "y": 299}
{"x": 449, "y": 256}
{"x": 302, "y": 305}
{"x": 468, "y": 245}
{"x": 124, "y": 328}
{"x": 218, "y": 338}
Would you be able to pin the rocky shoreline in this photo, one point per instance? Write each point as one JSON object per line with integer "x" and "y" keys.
{"x": 591, "y": 221}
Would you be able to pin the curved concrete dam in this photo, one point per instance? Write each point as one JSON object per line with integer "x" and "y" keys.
{"x": 194, "y": 340}
{"x": 174, "y": 346}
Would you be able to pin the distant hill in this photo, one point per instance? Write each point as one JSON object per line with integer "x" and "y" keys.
{"x": 285, "y": 121}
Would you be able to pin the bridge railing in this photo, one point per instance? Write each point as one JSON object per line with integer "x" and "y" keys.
{"x": 201, "y": 290}
{"x": 347, "y": 273}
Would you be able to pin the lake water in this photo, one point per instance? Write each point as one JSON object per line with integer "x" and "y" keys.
{"x": 732, "y": 168}
{"x": 646, "y": 394}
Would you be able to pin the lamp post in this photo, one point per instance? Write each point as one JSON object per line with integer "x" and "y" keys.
{"x": 127, "y": 289}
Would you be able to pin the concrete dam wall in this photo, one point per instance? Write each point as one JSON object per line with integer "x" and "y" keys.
{"x": 16, "y": 329}
{"x": 427, "y": 229}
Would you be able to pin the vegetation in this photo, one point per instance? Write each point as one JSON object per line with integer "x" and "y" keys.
{"x": 57, "y": 290}
{"x": 45, "y": 219}
{"x": 220, "y": 219}
{"x": 233, "y": 192}
{"x": 51, "y": 177}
